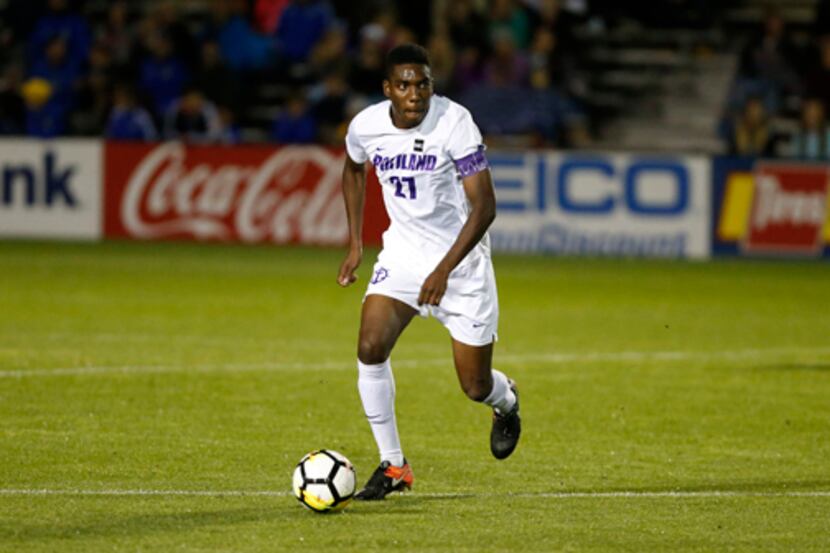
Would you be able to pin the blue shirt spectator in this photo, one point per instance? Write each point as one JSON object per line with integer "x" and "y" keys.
{"x": 243, "y": 48}
{"x": 295, "y": 124}
{"x": 61, "y": 73}
{"x": 61, "y": 22}
{"x": 301, "y": 25}
{"x": 128, "y": 121}
{"x": 163, "y": 76}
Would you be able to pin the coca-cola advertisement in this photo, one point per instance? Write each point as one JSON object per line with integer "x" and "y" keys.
{"x": 771, "y": 208}
{"x": 280, "y": 195}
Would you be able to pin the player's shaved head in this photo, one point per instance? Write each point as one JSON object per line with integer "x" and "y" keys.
{"x": 406, "y": 54}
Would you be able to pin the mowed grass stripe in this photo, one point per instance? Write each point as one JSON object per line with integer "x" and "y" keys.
{"x": 540, "y": 357}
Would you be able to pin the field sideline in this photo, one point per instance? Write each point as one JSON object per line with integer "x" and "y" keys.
{"x": 155, "y": 397}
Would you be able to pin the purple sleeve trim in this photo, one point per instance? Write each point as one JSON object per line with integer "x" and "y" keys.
{"x": 472, "y": 164}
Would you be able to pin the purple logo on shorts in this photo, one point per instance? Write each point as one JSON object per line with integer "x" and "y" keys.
{"x": 380, "y": 275}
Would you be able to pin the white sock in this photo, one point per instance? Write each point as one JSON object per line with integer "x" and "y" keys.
{"x": 377, "y": 392}
{"x": 501, "y": 397}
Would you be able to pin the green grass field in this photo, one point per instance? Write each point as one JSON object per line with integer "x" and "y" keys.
{"x": 156, "y": 397}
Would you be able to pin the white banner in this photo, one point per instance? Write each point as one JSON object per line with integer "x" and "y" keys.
{"x": 602, "y": 204}
{"x": 51, "y": 189}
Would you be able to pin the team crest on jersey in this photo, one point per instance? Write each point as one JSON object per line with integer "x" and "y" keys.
{"x": 380, "y": 275}
{"x": 419, "y": 145}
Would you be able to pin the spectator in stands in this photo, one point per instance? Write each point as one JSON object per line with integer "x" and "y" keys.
{"x": 329, "y": 51}
{"x": 193, "y": 119}
{"x": 60, "y": 21}
{"x": 12, "y": 106}
{"x": 540, "y": 54}
{"x": 469, "y": 69}
{"x": 367, "y": 67}
{"x": 812, "y": 141}
{"x": 752, "y": 134}
{"x": 242, "y": 48}
{"x": 546, "y": 51}
{"x": 772, "y": 57}
{"x": 507, "y": 67}
{"x": 386, "y": 26}
{"x": 45, "y": 118}
{"x": 301, "y": 25}
{"x": 329, "y": 103}
{"x": 163, "y": 75}
{"x": 167, "y": 22}
{"x": 442, "y": 62}
{"x": 90, "y": 114}
{"x": 63, "y": 75}
{"x": 295, "y": 124}
{"x": 550, "y": 15}
{"x": 507, "y": 15}
{"x": 466, "y": 26}
{"x": 127, "y": 120}
{"x": 219, "y": 83}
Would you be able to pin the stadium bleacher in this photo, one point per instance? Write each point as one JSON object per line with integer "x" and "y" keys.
{"x": 667, "y": 78}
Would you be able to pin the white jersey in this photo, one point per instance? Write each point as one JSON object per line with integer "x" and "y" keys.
{"x": 421, "y": 186}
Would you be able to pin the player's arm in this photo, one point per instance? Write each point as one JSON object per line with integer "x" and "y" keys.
{"x": 354, "y": 194}
{"x": 479, "y": 190}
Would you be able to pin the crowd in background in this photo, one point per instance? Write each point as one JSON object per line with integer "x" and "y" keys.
{"x": 777, "y": 77}
{"x": 203, "y": 70}
{"x": 149, "y": 70}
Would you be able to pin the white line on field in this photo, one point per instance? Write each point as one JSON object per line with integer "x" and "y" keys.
{"x": 538, "y": 357}
{"x": 634, "y": 494}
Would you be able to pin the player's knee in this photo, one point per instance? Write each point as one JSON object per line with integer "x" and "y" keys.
{"x": 477, "y": 389}
{"x": 371, "y": 350}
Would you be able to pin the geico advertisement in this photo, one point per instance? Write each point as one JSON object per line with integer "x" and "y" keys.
{"x": 602, "y": 204}
{"x": 50, "y": 189}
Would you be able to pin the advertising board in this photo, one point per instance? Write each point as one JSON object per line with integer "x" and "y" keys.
{"x": 252, "y": 194}
{"x": 50, "y": 189}
{"x": 771, "y": 208}
{"x": 602, "y": 204}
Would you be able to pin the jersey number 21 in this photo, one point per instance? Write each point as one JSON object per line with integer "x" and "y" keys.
{"x": 399, "y": 183}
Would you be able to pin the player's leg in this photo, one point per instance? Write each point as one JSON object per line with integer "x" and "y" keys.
{"x": 383, "y": 319}
{"x": 482, "y": 383}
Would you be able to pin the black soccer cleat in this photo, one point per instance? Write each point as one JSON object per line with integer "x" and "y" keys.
{"x": 385, "y": 480}
{"x": 506, "y": 429}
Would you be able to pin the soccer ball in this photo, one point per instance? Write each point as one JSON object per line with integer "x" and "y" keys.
{"x": 324, "y": 481}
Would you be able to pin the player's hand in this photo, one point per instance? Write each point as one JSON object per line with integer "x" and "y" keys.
{"x": 346, "y": 275}
{"x": 433, "y": 288}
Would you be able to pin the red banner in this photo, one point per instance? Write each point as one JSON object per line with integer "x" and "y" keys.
{"x": 789, "y": 209}
{"x": 285, "y": 195}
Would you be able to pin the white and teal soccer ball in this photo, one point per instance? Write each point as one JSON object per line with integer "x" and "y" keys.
{"x": 324, "y": 481}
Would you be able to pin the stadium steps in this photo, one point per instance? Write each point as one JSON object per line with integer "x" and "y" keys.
{"x": 681, "y": 116}
{"x": 663, "y": 88}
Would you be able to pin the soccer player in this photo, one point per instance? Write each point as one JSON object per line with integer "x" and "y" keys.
{"x": 429, "y": 158}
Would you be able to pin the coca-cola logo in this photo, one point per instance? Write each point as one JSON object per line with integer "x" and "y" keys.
{"x": 789, "y": 209}
{"x": 293, "y": 195}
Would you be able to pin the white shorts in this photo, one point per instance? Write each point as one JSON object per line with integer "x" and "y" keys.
{"x": 469, "y": 308}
